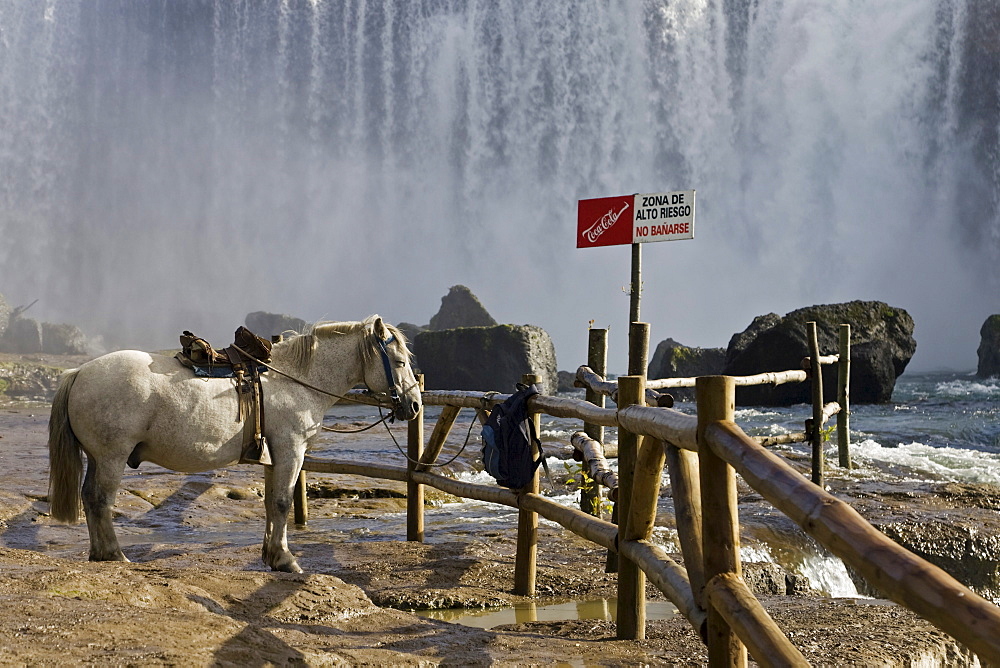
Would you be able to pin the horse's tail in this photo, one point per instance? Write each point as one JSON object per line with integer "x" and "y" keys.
{"x": 65, "y": 457}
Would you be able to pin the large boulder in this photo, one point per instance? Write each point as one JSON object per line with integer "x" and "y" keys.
{"x": 266, "y": 324}
{"x": 675, "y": 360}
{"x": 881, "y": 346}
{"x": 461, "y": 308}
{"x": 23, "y": 336}
{"x": 486, "y": 358}
{"x": 63, "y": 339}
{"x": 989, "y": 348}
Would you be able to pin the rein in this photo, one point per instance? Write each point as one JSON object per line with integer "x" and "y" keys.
{"x": 290, "y": 377}
{"x": 416, "y": 461}
{"x": 393, "y": 397}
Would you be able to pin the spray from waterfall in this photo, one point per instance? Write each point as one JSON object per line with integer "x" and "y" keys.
{"x": 174, "y": 164}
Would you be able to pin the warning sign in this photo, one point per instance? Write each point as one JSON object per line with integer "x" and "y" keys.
{"x": 635, "y": 219}
{"x": 664, "y": 217}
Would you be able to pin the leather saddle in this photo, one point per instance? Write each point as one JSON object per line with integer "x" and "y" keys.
{"x": 244, "y": 361}
{"x": 198, "y": 354}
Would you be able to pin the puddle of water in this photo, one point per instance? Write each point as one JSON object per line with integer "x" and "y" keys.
{"x": 520, "y": 613}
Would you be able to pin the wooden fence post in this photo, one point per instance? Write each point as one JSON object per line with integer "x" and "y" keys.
{"x": 716, "y": 396}
{"x": 638, "y": 352}
{"x": 816, "y": 376}
{"x": 597, "y": 360}
{"x": 844, "y": 398}
{"x": 525, "y": 561}
{"x": 638, "y": 348}
{"x": 639, "y": 526}
{"x": 631, "y": 579}
{"x": 415, "y": 491}
{"x": 685, "y": 488}
{"x": 636, "y": 288}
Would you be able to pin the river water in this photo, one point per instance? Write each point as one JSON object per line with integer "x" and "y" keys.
{"x": 939, "y": 427}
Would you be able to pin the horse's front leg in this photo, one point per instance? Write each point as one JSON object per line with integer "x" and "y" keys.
{"x": 279, "y": 484}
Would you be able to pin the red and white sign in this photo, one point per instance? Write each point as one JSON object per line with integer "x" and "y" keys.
{"x": 635, "y": 219}
{"x": 606, "y": 221}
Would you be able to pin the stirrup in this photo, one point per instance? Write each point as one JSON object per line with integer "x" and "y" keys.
{"x": 256, "y": 452}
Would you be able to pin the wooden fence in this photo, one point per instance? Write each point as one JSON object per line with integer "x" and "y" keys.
{"x": 703, "y": 455}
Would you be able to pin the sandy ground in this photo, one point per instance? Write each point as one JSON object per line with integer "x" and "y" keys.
{"x": 196, "y": 592}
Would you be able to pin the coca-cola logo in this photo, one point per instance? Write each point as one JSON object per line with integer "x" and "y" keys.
{"x": 603, "y": 224}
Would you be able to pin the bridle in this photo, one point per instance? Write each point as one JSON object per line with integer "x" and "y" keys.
{"x": 390, "y": 378}
{"x": 393, "y": 393}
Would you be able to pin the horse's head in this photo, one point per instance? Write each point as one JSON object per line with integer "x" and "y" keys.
{"x": 387, "y": 368}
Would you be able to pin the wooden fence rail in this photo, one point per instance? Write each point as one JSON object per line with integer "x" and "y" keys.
{"x": 597, "y": 385}
{"x": 890, "y": 568}
{"x": 703, "y": 455}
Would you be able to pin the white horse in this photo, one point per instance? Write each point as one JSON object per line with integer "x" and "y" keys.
{"x": 131, "y": 406}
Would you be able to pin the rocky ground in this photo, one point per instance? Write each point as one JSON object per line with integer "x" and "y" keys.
{"x": 196, "y": 592}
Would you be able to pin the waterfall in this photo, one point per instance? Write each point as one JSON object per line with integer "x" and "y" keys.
{"x": 363, "y": 157}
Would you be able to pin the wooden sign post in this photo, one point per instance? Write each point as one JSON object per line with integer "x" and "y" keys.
{"x": 635, "y": 219}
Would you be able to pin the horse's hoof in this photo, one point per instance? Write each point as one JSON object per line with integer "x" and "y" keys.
{"x": 291, "y": 566}
{"x": 113, "y": 557}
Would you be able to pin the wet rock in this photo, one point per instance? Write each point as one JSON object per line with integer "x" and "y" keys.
{"x": 769, "y": 579}
{"x": 486, "y": 358}
{"x": 347, "y": 487}
{"x": 989, "y": 348}
{"x": 29, "y": 381}
{"x": 952, "y": 525}
{"x": 266, "y": 324}
{"x": 881, "y": 346}
{"x": 461, "y": 308}
{"x": 675, "y": 360}
{"x": 435, "y": 599}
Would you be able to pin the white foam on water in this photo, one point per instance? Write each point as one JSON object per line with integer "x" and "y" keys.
{"x": 748, "y": 413}
{"x": 969, "y": 389}
{"x": 941, "y": 463}
{"x": 825, "y": 572}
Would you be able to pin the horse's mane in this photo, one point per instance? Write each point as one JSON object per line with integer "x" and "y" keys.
{"x": 299, "y": 349}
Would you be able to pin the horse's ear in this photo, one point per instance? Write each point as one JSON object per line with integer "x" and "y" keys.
{"x": 379, "y": 328}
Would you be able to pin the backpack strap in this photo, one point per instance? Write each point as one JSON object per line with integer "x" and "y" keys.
{"x": 532, "y": 390}
{"x": 541, "y": 453}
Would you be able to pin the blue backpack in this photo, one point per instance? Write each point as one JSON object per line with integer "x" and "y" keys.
{"x": 507, "y": 437}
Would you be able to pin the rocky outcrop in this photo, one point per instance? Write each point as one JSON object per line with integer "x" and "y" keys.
{"x": 63, "y": 339}
{"x": 4, "y": 314}
{"x": 567, "y": 381}
{"x": 29, "y": 380}
{"x": 989, "y": 348}
{"x": 955, "y": 526}
{"x": 881, "y": 346}
{"x": 410, "y": 331}
{"x": 675, "y": 360}
{"x": 266, "y": 324}
{"x": 23, "y": 336}
{"x": 486, "y": 358}
{"x": 460, "y": 308}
